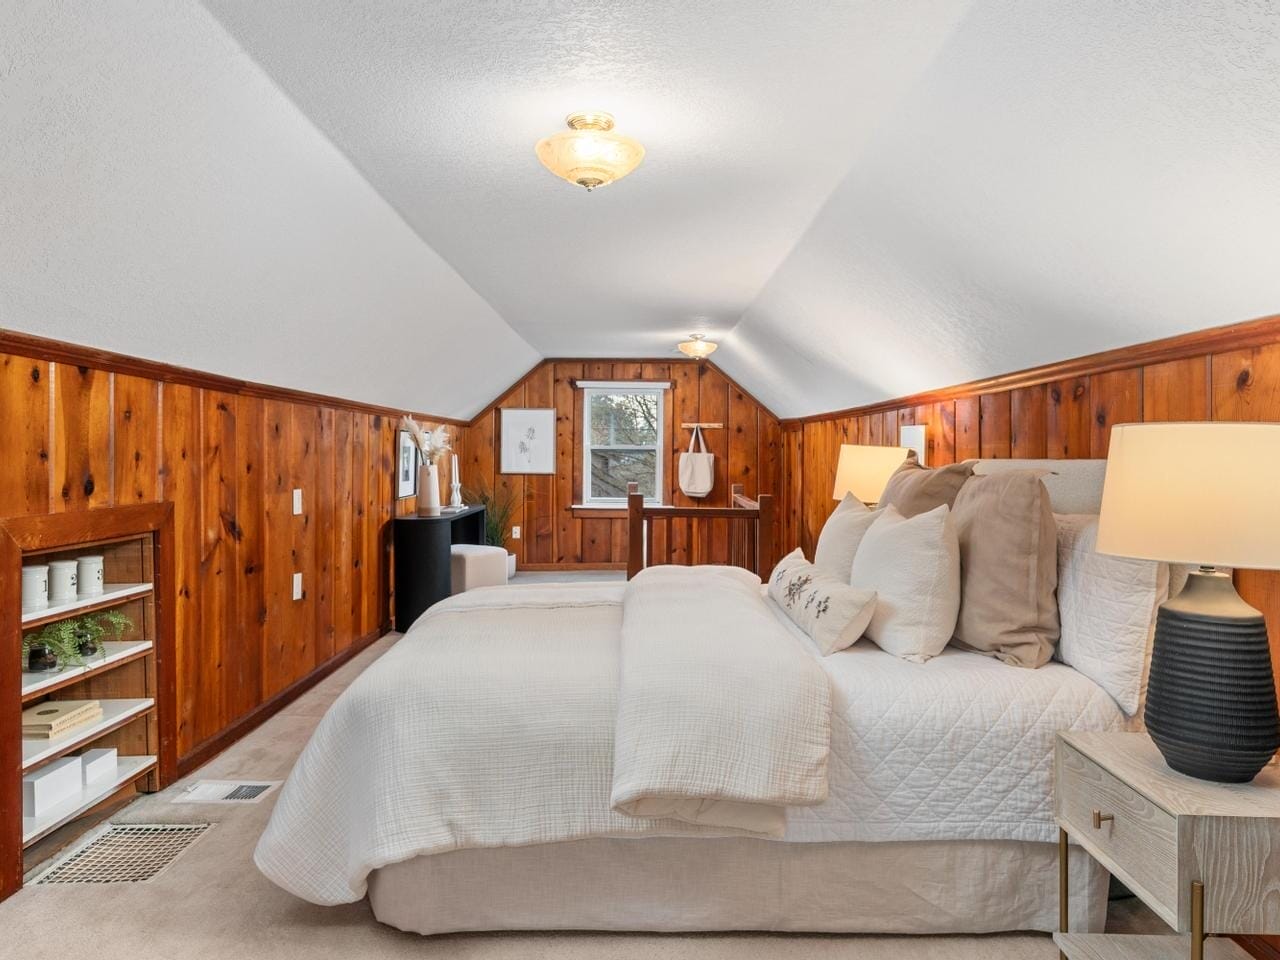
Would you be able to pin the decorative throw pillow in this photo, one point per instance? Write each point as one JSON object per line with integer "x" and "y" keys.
{"x": 840, "y": 536}
{"x": 833, "y": 613}
{"x": 1108, "y": 608}
{"x": 1008, "y": 568}
{"x": 913, "y": 565}
{"x": 913, "y": 489}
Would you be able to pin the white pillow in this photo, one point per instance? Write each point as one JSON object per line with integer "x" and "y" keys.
{"x": 840, "y": 536}
{"x": 1107, "y": 606}
{"x": 833, "y": 613}
{"x": 914, "y": 568}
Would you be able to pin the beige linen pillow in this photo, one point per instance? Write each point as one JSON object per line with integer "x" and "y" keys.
{"x": 913, "y": 565}
{"x": 840, "y": 536}
{"x": 1008, "y": 568}
{"x": 833, "y": 613}
{"x": 913, "y": 489}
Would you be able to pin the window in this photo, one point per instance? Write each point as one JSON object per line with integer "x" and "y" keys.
{"x": 623, "y": 442}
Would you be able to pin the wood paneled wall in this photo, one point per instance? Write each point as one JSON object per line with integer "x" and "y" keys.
{"x": 1062, "y": 410}
{"x": 554, "y": 535}
{"x": 78, "y": 437}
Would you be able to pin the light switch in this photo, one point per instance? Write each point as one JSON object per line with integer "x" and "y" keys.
{"x": 297, "y": 502}
{"x": 297, "y": 586}
{"x": 515, "y": 533}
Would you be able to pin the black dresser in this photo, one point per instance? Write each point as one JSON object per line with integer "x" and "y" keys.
{"x": 422, "y": 563}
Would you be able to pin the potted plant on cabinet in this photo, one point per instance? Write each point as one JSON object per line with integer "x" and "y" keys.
{"x": 66, "y": 643}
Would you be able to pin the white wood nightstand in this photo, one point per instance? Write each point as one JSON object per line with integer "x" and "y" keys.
{"x": 1204, "y": 856}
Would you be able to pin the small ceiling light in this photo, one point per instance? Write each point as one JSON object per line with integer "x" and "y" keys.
{"x": 589, "y": 153}
{"x": 697, "y": 346}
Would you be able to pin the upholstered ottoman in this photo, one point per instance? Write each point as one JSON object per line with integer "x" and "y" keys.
{"x": 473, "y": 565}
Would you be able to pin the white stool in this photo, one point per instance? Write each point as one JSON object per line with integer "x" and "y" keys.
{"x": 473, "y": 565}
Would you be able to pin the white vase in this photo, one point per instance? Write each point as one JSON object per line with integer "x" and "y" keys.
{"x": 428, "y": 490}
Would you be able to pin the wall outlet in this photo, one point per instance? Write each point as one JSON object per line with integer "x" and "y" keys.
{"x": 297, "y": 586}
{"x": 515, "y": 533}
{"x": 297, "y": 502}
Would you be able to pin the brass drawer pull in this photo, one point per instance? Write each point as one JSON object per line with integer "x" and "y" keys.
{"x": 1099, "y": 818}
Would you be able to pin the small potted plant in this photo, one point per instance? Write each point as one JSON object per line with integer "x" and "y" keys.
{"x": 66, "y": 643}
{"x": 499, "y": 506}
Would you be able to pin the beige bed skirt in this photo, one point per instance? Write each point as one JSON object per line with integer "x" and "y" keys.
{"x": 654, "y": 884}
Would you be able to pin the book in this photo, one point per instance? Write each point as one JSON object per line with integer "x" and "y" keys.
{"x": 56, "y": 717}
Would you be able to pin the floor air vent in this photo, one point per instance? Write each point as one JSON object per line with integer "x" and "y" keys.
{"x": 124, "y": 853}
{"x": 226, "y": 791}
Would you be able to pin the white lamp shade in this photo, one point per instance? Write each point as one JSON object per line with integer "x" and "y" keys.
{"x": 1199, "y": 493}
{"x": 863, "y": 470}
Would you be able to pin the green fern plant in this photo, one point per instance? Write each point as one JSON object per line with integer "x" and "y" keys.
{"x": 73, "y": 639}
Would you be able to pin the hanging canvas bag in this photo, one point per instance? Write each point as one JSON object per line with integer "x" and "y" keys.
{"x": 697, "y": 469}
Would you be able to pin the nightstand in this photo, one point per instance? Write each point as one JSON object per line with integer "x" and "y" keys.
{"x": 1203, "y": 856}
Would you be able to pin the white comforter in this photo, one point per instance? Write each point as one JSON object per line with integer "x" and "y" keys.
{"x": 493, "y": 722}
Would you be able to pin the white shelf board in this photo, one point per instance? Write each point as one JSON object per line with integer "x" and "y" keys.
{"x": 115, "y": 650}
{"x": 111, "y": 592}
{"x": 1123, "y": 946}
{"x": 114, "y": 712}
{"x": 127, "y": 769}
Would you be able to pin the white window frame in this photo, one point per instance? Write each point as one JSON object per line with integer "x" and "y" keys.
{"x": 592, "y": 388}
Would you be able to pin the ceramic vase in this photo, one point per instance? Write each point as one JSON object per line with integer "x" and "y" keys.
{"x": 428, "y": 490}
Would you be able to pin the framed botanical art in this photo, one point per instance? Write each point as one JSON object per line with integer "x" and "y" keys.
{"x": 406, "y": 466}
{"x": 528, "y": 441}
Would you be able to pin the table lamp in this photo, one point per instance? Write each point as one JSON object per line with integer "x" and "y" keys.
{"x": 1204, "y": 494}
{"x": 864, "y": 470}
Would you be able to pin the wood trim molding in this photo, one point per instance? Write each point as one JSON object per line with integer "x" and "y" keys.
{"x": 1261, "y": 947}
{"x": 72, "y": 354}
{"x": 202, "y": 753}
{"x": 1236, "y": 336}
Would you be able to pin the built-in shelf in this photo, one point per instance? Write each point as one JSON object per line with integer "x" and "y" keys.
{"x": 128, "y": 769}
{"x": 115, "y": 713}
{"x": 1121, "y": 946}
{"x": 115, "y": 652}
{"x": 112, "y": 594}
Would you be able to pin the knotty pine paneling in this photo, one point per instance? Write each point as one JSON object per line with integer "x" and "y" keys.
{"x": 749, "y": 450}
{"x": 1060, "y": 417}
{"x": 79, "y": 437}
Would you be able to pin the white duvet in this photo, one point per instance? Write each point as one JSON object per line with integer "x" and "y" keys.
{"x": 493, "y": 723}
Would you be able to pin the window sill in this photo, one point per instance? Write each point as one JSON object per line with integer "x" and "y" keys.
{"x": 586, "y": 511}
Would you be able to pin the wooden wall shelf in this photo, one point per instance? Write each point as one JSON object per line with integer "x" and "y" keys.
{"x": 133, "y": 678}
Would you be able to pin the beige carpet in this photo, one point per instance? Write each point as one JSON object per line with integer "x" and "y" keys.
{"x": 213, "y": 903}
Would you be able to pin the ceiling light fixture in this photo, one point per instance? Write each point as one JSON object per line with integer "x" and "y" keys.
{"x": 697, "y": 346}
{"x": 589, "y": 153}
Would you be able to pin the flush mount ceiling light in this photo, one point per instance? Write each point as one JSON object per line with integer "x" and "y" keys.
{"x": 697, "y": 346}
{"x": 589, "y": 153}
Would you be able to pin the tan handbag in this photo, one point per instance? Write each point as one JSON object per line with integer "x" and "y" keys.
{"x": 697, "y": 469}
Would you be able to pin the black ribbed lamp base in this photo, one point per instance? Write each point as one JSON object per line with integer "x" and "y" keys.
{"x": 1211, "y": 701}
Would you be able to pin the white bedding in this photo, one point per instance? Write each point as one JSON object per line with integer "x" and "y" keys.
{"x": 492, "y": 723}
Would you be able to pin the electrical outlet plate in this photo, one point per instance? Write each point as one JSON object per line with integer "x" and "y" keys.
{"x": 297, "y": 502}
{"x": 515, "y": 533}
{"x": 297, "y": 586}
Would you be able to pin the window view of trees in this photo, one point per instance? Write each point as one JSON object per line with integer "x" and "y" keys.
{"x": 623, "y": 432}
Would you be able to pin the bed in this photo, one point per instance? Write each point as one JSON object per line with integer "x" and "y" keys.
{"x": 538, "y": 757}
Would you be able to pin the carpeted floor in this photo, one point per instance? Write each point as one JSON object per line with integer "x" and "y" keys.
{"x": 212, "y": 903}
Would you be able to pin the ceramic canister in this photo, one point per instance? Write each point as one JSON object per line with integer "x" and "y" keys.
{"x": 89, "y": 576}
{"x": 62, "y": 580}
{"x": 35, "y": 587}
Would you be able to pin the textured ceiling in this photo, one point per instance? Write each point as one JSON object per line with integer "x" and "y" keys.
{"x": 861, "y": 199}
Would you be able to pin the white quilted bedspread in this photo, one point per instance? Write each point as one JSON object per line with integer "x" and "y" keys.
{"x": 958, "y": 748}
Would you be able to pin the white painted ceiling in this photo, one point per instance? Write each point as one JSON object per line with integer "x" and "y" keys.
{"x": 861, "y": 199}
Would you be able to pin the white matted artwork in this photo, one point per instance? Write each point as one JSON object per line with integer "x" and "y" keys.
{"x": 528, "y": 441}
{"x": 406, "y": 466}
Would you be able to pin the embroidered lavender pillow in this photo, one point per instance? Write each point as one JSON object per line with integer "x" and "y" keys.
{"x": 833, "y": 613}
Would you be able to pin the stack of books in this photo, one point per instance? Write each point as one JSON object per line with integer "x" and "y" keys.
{"x": 53, "y": 718}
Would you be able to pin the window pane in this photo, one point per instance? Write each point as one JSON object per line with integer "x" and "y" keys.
{"x": 622, "y": 419}
{"x": 612, "y": 470}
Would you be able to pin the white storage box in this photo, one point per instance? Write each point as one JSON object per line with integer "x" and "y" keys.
{"x": 49, "y": 786}
{"x": 98, "y": 764}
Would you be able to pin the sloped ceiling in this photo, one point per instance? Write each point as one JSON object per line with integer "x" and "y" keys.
{"x": 860, "y": 199}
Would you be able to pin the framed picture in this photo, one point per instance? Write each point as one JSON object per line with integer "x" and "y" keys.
{"x": 528, "y": 441}
{"x": 406, "y": 466}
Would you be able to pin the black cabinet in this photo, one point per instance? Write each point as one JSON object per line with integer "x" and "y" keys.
{"x": 422, "y": 558}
